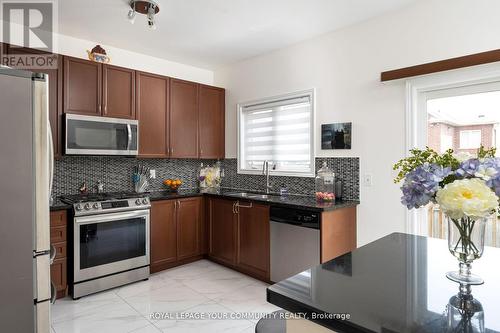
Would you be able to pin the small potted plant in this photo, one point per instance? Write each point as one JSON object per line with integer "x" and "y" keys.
{"x": 467, "y": 190}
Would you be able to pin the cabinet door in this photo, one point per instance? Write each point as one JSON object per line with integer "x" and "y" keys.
{"x": 222, "y": 241}
{"x": 58, "y": 275}
{"x": 211, "y": 123}
{"x": 253, "y": 239}
{"x": 188, "y": 227}
{"x": 82, "y": 86}
{"x": 183, "y": 119}
{"x": 152, "y": 106}
{"x": 118, "y": 92}
{"x": 163, "y": 234}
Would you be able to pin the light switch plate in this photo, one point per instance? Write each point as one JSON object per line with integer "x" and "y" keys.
{"x": 367, "y": 179}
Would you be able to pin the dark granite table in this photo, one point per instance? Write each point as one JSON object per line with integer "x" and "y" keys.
{"x": 395, "y": 284}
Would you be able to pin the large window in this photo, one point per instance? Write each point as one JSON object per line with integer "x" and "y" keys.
{"x": 278, "y": 130}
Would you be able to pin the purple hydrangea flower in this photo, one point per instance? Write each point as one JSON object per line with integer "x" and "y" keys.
{"x": 468, "y": 168}
{"x": 494, "y": 184}
{"x": 421, "y": 184}
{"x": 494, "y": 181}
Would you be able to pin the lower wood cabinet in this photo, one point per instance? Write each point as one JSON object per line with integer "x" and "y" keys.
{"x": 188, "y": 216}
{"x": 222, "y": 230}
{"x": 253, "y": 239}
{"x": 58, "y": 239}
{"x": 163, "y": 233}
{"x": 175, "y": 232}
{"x": 239, "y": 236}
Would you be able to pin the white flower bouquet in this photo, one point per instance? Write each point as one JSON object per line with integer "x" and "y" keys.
{"x": 467, "y": 190}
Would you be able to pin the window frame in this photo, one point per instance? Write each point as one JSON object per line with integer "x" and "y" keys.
{"x": 311, "y": 93}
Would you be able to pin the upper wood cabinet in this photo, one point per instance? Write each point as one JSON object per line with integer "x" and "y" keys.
{"x": 118, "y": 92}
{"x": 253, "y": 239}
{"x": 163, "y": 234}
{"x": 82, "y": 87}
{"x": 183, "y": 119}
{"x": 188, "y": 216}
{"x": 211, "y": 122}
{"x": 152, "y": 112}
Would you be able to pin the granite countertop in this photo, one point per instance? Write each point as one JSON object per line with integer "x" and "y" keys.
{"x": 292, "y": 201}
{"x": 394, "y": 284}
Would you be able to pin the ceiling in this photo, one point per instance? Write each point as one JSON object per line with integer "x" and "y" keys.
{"x": 211, "y": 33}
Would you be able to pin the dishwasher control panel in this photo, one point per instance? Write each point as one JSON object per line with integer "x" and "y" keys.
{"x": 297, "y": 217}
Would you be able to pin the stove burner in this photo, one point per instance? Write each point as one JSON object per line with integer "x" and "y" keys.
{"x": 95, "y": 197}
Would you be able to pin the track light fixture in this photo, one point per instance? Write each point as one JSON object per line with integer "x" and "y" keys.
{"x": 146, "y": 7}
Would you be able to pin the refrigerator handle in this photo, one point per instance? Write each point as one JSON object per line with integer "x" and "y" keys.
{"x": 51, "y": 159}
{"x": 53, "y": 293}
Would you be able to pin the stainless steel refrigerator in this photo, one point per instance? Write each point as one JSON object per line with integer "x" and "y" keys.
{"x": 26, "y": 166}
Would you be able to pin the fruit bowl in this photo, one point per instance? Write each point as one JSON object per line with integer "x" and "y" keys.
{"x": 172, "y": 184}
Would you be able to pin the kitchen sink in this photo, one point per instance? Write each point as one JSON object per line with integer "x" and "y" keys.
{"x": 251, "y": 195}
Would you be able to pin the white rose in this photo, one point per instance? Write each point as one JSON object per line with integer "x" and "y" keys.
{"x": 463, "y": 156}
{"x": 467, "y": 197}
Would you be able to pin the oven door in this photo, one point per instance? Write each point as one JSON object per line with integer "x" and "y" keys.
{"x": 110, "y": 243}
{"x": 89, "y": 135}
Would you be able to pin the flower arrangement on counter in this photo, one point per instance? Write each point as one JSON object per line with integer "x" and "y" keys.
{"x": 467, "y": 190}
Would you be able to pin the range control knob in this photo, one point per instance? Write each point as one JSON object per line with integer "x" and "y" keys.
{"x": 145, "y": 201}
{"x": 78, "y": 207}
{"x": 138, "y": 202}
{"x": 96, "y": 206}
{"x": 87, "y": 206}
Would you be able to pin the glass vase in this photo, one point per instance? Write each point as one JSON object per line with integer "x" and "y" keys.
{"x": 464, "y": 313}
{"x": 466, "y": 243}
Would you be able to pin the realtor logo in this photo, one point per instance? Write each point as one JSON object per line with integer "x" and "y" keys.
{"x": 28, "y": 29}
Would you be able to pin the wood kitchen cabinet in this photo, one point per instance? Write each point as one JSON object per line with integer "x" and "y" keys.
{"x": 253, "y": 239}
{"x": 188, "y": 217}
{"x": 58, "y": 239}
{"x": 163, "y": 233}
{"x": 96, "y": 89}
{"x": 222, "y": 231}
{"x": 118, "y": 92}
{"x": 152, "y": 112}
{"x": 239, "y": 236}
{"x": 211, "y": 125}
{"x": 175, "y": 232}
{"x": 183, "y": 119}
{"x": 82, "y": 87}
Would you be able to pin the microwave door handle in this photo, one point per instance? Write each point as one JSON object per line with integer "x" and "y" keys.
{"x": 129, "y": 136}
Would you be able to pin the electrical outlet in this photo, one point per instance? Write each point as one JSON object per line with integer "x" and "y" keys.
{"x": 367, "y": 180}
{"x": 152, "y": 173}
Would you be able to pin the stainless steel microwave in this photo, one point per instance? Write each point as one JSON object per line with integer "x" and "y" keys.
{"x": 89, "y": 135}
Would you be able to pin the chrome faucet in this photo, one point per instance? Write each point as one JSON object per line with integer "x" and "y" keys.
{"x": 265, "y": 171}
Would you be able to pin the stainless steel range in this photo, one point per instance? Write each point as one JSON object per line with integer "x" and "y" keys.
{"x": 111, "y": 241}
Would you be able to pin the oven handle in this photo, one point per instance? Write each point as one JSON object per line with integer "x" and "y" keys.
{"x": 103, "y": 218}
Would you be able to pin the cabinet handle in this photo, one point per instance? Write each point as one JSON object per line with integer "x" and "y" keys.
{"x": 243, "y": 206}
{"x": 234, "y": 207}
{"x": 105, "y": 109}
{"x": 178, "y": 204}
{"x": 99, "y": 108}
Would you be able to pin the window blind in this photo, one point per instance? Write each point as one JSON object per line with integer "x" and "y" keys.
{"x": 279, "y": 131}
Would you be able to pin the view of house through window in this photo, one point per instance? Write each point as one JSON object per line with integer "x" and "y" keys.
{"x": 463, "y": 123}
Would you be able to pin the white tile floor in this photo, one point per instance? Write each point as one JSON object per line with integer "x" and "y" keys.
{"x": 202, "y": 286}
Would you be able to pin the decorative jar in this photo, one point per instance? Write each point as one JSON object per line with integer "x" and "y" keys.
{"x": 325, "y": 184}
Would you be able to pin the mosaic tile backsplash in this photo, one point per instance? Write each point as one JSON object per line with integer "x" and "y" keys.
{"x": 116, "y": 174}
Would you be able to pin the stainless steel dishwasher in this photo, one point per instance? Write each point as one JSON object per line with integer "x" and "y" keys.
{"x": 295, "y": 241}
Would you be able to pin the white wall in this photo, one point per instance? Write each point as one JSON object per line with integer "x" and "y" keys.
{"x": 77, "y": 48}
{"x": 344, "y": 67}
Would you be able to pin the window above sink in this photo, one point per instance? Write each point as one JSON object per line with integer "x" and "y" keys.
{"x": 279, "y": 130}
